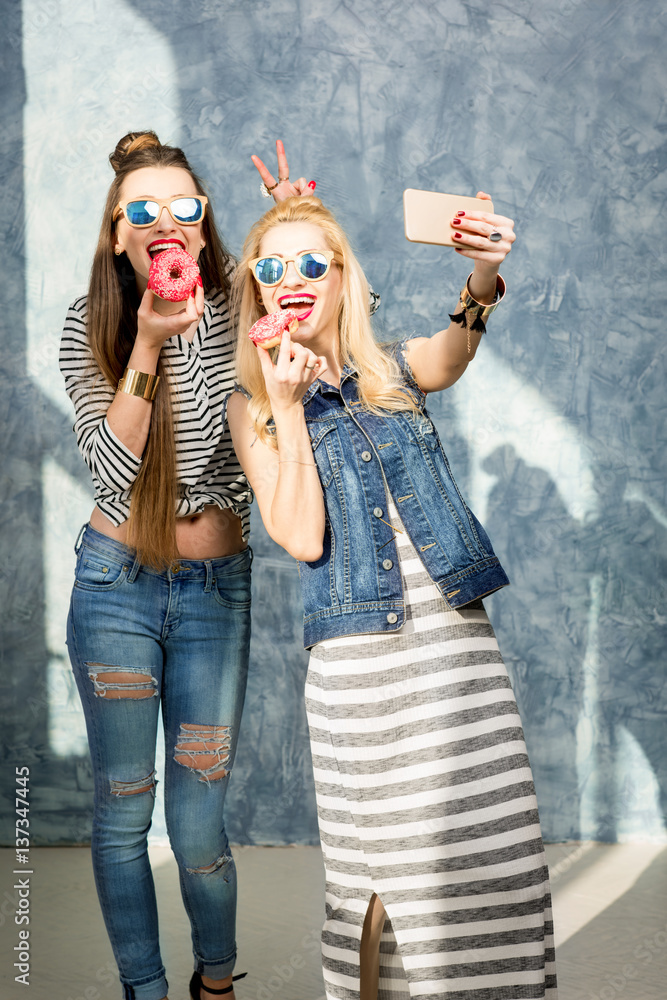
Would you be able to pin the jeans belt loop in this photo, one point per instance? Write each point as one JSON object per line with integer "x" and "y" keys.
{"x": 209, "y": 576}
{"x": 77, "y": 544}
{"x": 134, "y": 572}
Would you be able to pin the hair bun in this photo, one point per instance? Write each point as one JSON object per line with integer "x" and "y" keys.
{"x": 129, "y": 144}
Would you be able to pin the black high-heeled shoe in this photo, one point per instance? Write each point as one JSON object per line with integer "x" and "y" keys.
{"x": 196, "y": 985}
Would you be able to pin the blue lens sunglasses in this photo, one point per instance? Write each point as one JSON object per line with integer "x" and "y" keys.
{"x": 144, "y": 212}
{"x": 313, "y": 265}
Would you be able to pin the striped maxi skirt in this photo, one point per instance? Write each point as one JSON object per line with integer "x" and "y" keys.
{"x": 425, "y": 796}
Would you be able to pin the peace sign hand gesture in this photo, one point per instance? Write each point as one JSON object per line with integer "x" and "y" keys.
{"x": 282, "y": 187}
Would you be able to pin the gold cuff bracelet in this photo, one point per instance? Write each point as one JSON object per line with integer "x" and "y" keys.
{"x": 474, "y": 313}
{"x": 472, "y": 305}
{"x": 141, "y": 384}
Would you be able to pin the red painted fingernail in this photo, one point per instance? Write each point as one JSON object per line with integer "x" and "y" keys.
{"x": 458, "y": 236}
{"x": 460, "y": 214}
{"x": 199, "y": 281}
{"x": 456, "y": 222}
{"x": 312, "y": 184}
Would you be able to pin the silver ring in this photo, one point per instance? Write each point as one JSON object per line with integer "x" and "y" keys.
{"x": 495, "y": 236}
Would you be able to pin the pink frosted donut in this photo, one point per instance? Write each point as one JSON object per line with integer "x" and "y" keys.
{"x": 173, "y": 275}
{"x": 268, "y": 330}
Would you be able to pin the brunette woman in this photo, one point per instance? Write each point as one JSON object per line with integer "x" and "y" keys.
{"x": 160, "y": 611}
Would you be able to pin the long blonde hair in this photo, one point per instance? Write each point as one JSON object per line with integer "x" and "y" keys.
{"x": 378, "y": 373}
{"x": 112, "y": 307}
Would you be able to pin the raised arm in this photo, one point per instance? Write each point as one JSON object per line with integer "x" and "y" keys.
{"x": 439, "y": 361}
{"x": 130, "y": 416}
{"x": 286, "y": 483}
{"x": 284, "y": 188}
{"x": 111, "y": 426}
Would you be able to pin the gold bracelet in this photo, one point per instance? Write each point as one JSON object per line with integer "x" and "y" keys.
{"x": 141, "y": 384}
{"x": 295, "y": 461}
{"x": 478, "y": 308}
{"x": 475, "y": 313}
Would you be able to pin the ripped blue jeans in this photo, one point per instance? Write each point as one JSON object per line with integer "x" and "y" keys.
{"x": 139, "y": 639}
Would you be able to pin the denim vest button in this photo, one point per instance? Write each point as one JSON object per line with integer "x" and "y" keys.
{"x": 378, "y": 511}
{"x": 341, "y": 598}
{"x": 387, "y": 564}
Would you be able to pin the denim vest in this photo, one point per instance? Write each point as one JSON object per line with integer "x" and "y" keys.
{"x": 355, "y": 587}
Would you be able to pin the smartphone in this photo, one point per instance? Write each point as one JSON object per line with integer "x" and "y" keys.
{"x": 428, "y": 215}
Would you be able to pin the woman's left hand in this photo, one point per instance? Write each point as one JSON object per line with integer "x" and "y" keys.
{"x": 282, "y": 187}
{"x": 473, "y": 230}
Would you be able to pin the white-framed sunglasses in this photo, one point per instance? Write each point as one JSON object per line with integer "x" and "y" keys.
{"x": 313, "y": 265}
{"x": 143, "y": 212}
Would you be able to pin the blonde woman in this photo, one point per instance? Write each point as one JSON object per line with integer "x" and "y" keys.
{"x": 160, "y": 610}
{"x": 427, "y": 811}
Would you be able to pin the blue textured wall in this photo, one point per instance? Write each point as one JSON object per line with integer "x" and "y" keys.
{"x": 556, "y": 433}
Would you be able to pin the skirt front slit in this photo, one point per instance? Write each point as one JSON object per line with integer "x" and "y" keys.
{"x": 425, "y": 796}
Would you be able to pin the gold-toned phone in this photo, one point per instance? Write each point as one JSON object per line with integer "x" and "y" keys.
{"x": 428, "y": 215}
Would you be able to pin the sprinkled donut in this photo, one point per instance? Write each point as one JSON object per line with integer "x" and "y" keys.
{"x": 173, "y": 275}
{"x": 268, "y": 330}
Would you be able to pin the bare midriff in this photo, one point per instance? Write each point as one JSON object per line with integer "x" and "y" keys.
{"x": 212, "y": 534}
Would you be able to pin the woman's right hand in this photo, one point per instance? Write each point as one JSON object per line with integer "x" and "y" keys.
{"x": 153, "y": 328}
{"x": 285, "y": 481}
{"x": 295, "y": 370}
{"x": 129, "y": 416}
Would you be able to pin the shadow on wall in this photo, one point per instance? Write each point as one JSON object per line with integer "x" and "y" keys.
{"x": 546, "y": 608}
{"x": 582, "y": 599}
{"x": 33, "y": 429}
{"x": 271, "y": 799}
{"x": 582, "y": 627}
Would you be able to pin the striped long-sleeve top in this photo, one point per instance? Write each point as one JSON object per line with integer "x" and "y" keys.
{"x": 201, "y": 376}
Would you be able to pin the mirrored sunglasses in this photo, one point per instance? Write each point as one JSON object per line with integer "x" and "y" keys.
{"x": 144, "y": 212}
{"x": 312, "y": 265}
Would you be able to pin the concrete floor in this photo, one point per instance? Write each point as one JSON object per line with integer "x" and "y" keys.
{"x": 610, "y": 906}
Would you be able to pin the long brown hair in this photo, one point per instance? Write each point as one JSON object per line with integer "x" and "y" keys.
{"x": 112, "y": 307}
{"x": 378, "y": 374}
